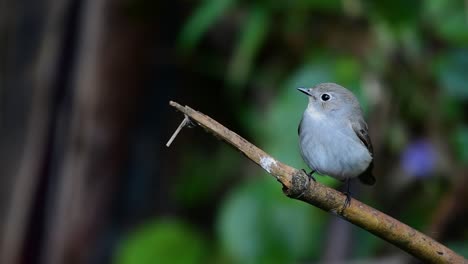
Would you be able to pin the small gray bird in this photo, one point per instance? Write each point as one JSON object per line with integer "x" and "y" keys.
{"x": 333, "y": 135}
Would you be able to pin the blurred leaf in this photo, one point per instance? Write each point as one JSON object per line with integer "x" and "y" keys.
{"x": 199, "y": 22}
{"x": 451, "y": 74}
{"x": 449, "y": 19}
{"x": 163, "y": 241}
{"x": 396, "y": 13}
{"x": 461, "y": 143}
{"x": 252, "y": 37}
{"x": 347, "y": 70}
{"x": 258, "y": 224}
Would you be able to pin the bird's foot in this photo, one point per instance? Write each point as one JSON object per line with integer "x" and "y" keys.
{"x": 308, "y": 182}
{"x": 347, "y": 202}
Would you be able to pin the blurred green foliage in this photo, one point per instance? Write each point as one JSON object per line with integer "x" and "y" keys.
{"x": 448, "y": 19}
{"x": 258, "y": 224}
{"x": 417, "y": 50}
{"x": 461, "y": 143}
{"x": 203, "y": 17}
{"x": 164, "y": 241}
{"x": 452, "y": 74}
{"x": 199, "y": 183}
{"x": 256, "y": 29}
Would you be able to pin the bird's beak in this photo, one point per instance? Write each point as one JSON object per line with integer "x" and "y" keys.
{"x": 304, "y": 90}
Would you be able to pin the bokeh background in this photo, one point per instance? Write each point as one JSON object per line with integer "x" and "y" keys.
{"x": 84, "y": 118}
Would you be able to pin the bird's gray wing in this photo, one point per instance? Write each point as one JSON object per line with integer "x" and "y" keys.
{"x": 361, "y": 130}
{"x": 299, "y": 127}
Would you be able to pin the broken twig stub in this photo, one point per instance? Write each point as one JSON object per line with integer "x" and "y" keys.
{"x": 185, "y": 123}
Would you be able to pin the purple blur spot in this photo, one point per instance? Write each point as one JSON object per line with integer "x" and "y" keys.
{"x": 419, "y": 158}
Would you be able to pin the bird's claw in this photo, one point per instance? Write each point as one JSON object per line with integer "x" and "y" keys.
{"x": 308, "y": 182}
{"x": 310, "y": 174}
{"x": 347, "y": 202}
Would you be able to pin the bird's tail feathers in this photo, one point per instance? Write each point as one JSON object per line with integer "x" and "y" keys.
{"x": 366, "y": 177}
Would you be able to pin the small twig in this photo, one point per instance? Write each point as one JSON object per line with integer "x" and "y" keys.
{"x": 185, "y": 123}
{"x": 295, "y": 183}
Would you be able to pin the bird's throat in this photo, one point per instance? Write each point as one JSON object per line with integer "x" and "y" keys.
{"x": 314, "y": 113}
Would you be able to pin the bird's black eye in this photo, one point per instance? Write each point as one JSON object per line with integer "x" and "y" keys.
{"x": 325, "y": 97}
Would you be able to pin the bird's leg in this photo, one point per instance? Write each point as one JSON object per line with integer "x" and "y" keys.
{"x": 310, "y": 174}
{"x": 348, "y": 195}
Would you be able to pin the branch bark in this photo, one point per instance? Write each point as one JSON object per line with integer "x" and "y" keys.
{"x": 296, "y": 185}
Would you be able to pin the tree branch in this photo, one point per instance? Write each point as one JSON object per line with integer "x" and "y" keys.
{"x": 297, "y": 185}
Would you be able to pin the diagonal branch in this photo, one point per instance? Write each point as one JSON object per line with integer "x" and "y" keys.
{"x": 296, "y": 185}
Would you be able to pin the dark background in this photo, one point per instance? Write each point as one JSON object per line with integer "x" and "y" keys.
{"x": 84, "y": 89}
